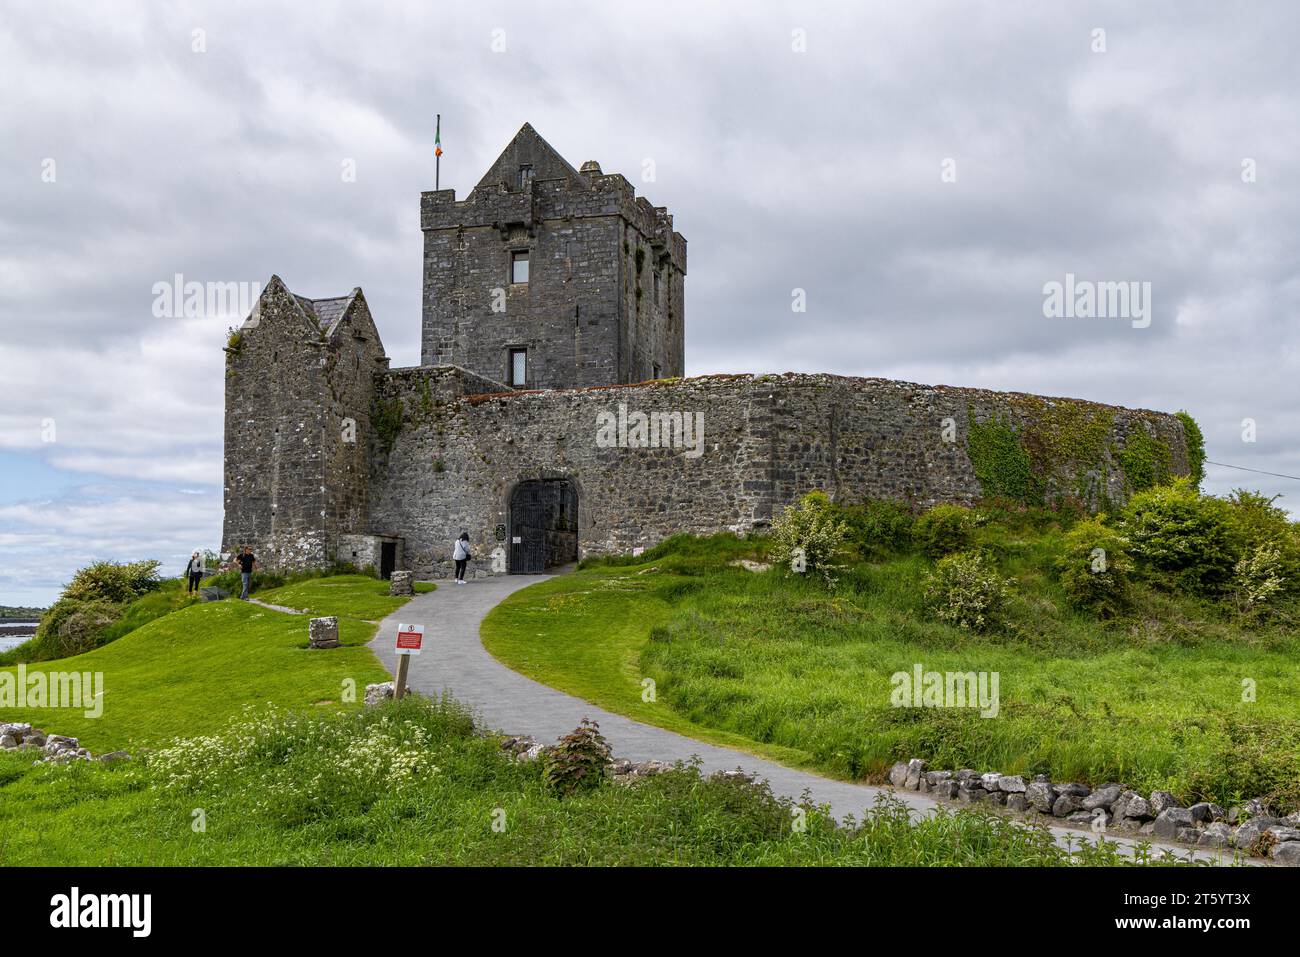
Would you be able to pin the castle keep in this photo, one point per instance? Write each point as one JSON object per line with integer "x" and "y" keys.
{"x": 549, "y": 418}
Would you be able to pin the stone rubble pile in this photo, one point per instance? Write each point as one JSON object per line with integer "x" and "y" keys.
{"x": 53, "y": 748}
{"x": 1252, "y": 827}
{"x": 379, "y": 692}
{"x": 400, "y": 583}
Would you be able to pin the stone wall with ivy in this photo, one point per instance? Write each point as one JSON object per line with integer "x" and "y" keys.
{"x": 448, "y": 449}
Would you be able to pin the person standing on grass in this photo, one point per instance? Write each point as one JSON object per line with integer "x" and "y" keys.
{"x": 460, "y": 553}
{"x": 247, "y": 562}
{"x": 194, "y": 572}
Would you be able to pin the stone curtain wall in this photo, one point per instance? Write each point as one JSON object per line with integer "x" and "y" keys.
{"x": 767, "y": 440}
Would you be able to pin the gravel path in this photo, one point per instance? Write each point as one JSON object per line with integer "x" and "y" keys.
{"x": 455, "y": 662}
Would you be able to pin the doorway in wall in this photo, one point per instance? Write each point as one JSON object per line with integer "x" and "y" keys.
{"x": 543, "y": 529}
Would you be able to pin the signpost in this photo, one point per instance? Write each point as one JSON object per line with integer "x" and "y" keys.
{"x": 410, "y": 639}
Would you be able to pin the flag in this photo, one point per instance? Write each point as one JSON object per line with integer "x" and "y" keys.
{"x": 437, "y": 143}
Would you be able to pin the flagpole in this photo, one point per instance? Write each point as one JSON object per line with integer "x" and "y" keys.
{"x": 437, "y": 154}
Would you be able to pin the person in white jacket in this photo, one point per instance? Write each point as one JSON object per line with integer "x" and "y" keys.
{"x": 460, "y": 554}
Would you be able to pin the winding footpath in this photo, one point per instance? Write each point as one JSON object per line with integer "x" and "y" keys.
{"x": 455, "y": 662}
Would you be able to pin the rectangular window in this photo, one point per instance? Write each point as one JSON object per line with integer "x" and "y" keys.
{"x": 518, "y": 367}
{"x": 656, "y": 371}
{"x": 519, "y": 265}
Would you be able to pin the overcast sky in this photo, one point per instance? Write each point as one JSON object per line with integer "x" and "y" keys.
{"x": 798, "y": 146}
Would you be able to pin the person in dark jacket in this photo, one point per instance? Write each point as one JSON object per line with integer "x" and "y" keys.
{"x": 247, "y": 562}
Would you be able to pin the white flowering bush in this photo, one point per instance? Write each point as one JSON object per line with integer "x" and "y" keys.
{"x": 1258, "y": 577}
{"x": 965, "y": 590}
{"x": 298, "y": 767}
{"x": 813, "y": 528}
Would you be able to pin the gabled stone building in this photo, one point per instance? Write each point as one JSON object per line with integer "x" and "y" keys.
{"x": 549, "y": 418}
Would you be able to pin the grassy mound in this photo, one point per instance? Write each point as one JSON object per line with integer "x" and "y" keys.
{"x": 1183, "y": 691}
{"x": 414, "y": 783}
{"x": 189, "y": 672}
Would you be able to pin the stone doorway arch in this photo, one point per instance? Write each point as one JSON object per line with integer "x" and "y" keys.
{"x": 543, "y": 525}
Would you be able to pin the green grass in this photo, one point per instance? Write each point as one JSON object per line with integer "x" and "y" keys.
{"x": 413, "y": 783}
{"x": 348, "y": 596}
{"x": 191, "y": 671}
{"x": 778, "y": 665}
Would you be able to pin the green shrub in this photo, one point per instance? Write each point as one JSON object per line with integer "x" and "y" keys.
{"x": 878, "y": 528}
{"x": 81, "y": 628}
{"x": 112, "y": 581}
{"x": 813, "y": 526}
{"x": 90, "y": 604}
{"x": 944, "y": 529}
{"x": 965, "y": 590}
{"x": 1094, "y": 568}
{"x": 1257, "y": 522}
{"x": 579, "y": 761}
{"x": 1177, "y": 530}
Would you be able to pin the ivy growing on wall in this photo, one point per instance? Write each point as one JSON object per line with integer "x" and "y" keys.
{"x": 386, "y": 419}
{"x": 1001, "y": 463}
{"x": 1195, "y": 447}
{"x": 1145, "y": 460}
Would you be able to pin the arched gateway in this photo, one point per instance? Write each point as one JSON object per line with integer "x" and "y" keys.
{"x": 543, "y": 525}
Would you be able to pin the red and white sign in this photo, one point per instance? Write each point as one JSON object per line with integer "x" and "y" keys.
{"x": 409, "y": 639}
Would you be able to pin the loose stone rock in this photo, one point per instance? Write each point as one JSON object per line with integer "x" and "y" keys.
{"x": 1138, "y": 808}
{"x": 1170, "y": 820}
{"x": 1218, "y": 834}
{"x": 1287, "y": 853}
{"x": 1041, "y": 795}
{"x": 1011, "y": 783}
{"x": 1161, "y": 800}
{"x": 912, "y": 779}
{"x": 1066, "y": 804}
{"x": 1102, "y": 797}
{"x": 1250, "y": 832}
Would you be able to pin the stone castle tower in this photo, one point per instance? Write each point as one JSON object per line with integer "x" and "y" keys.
{"x": 548, "y": 277}
{"x": 552, "y": 303}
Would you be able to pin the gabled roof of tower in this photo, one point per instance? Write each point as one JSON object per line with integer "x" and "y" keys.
{"x": 328, "y": 313}
{"x": 327, "y": 316}
{"x": 529, "y": 149}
